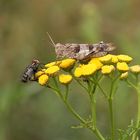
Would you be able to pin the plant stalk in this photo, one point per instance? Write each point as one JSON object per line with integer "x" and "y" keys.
{"x": 110, "y": 102}
{"x": 97, "y": 133}
{"x": 111, "y": 118}
{"x": 134, "y": 136}
{"x": 94, "y": 128}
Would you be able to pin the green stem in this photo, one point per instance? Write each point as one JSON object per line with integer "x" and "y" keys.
{"x": 111, "y": 118}
{"x": 110, "y": 103}
{"x": 93, "y": 103}
{"x": 97, "y": 83}
{"x": 67, "y": 92}
{"x": 70, "y": 108}
{"x": 134, "y": 136}
{"x": 94, "y": 128}
{"x": 93, "y": 110}
{"x": 136, "y": 87}
{"x": 138, "y": 115}
{"x": 132, "y": 85}
{"x": 97, "y": 133}
{"x": 81, "y": 84}
{"x": 104, "y": 93}
{"x": 139, "y": 104}
{"x": 74, "y": 112}
{"x": 64, "y": 99}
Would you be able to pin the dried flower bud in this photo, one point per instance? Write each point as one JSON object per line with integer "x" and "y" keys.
{"x": 135, "y": 69}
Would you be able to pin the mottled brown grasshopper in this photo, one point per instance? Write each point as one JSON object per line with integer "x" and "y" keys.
{"x": 82, "y": 51}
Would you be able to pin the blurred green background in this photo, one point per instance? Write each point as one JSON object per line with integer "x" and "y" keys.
{"x": 31, "y": 112}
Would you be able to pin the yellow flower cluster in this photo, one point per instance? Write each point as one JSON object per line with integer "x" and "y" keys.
{"x": 66, "y": 69}
{"x": 107, "y": 64}
{"x": 54, "y": 69}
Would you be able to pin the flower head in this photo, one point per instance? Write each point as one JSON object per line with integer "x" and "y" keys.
{"x": 122, "y": 66}
{"x": 88, "y": 69}
{"x": 97, "y": 62}
{"x": 52, "y": 70}
{"x": 65, "y": 78}
{"x": 106, "y": 59}
{"x": 43, "y": 79}
{"x": 107, "y": 69}
{"x": 124, "y": 75}
{"x": 78, "y": 72}
{"x": 67, "y": 63}
{"x": 55, "y": 63}
{"x": 114, "y": 59}
{"x": 124, "y": 58}
{"x": 135, "y": 69}
{"x": 39, "y": 73}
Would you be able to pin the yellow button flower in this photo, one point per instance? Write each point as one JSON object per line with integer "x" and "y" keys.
{"x": 135, "y": 69}
{"x": 97, "y": 62}
{"x": 124, "y": 75}
{"x": 78, "y": 72}
{"x": 114, "y": 59}
{"x": 43, "y": 79}
{"x": 124, "y": 58}
{"x": 55, "y": 63}
{"x": 88, "y": 69}
{"x": 67, "y": 63}
{"x": 39, "y": 73}
{"x": 65, "y": 78}
{"x": 52, "y": 70}
{"x": 122, "y": 66}
{"x": 107, "y": 69}
{"x": 106, "y": 59}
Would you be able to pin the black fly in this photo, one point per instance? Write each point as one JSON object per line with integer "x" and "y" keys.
{"x": 29, "y": 73}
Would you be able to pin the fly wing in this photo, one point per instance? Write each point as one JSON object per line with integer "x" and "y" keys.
{"x": 28, "y": 73}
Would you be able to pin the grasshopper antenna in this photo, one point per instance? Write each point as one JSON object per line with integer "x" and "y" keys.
{"x": 52, "y": 42}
